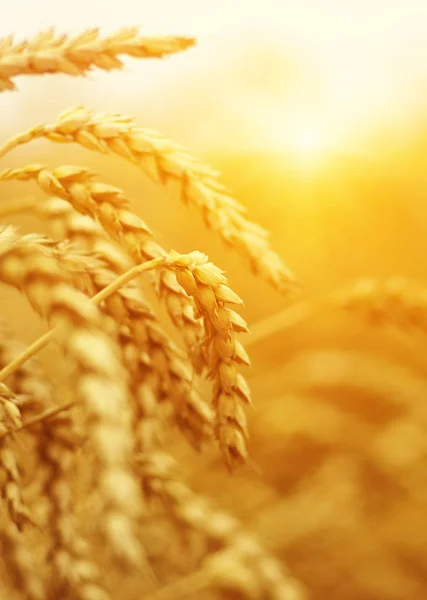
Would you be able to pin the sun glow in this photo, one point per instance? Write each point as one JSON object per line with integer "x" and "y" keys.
{"x": 309, "y": 141}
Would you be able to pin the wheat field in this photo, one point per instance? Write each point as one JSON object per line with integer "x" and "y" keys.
{"x": 153, "y": 444}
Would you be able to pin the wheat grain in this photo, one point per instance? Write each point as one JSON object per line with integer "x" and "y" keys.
{"x": 50, "y": 53}
{"x": 25, "y": 263}
{"x": 168, "y": 163}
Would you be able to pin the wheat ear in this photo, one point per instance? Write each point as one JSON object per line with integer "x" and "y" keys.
{"x": 15, "y": 552}
{"x": 20, "y": 565}
{"x": 100, "y": 383}
{"x": 56, "y": 442}
{"x": 74, "y": 571}
{"x": 76, "y": 55}
{"x": 10, "y": 470}
{"x": 169, "y": 163}
{"x": 237, "y": 566}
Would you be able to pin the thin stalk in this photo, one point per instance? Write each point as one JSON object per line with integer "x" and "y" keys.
{"x": 43, "y": 341}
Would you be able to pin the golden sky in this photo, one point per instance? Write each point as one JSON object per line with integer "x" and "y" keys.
{"x": 355, "y": 62}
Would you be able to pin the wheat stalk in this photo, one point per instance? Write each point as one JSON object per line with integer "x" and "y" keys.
{"x": 76, "y": 55}
{"x": 56, "y": 442}
{"x": 238, "y": 564}
{"x": 168, "y": 163}
{"x": 396, "y": 302}
{"x": 28, "y": 381}
{"x": 25, "y": 263}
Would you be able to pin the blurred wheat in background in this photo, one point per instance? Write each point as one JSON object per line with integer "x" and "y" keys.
{"x": 139, "y": 456}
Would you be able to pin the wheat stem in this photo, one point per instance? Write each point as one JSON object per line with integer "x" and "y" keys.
{"x": 43, "y": 341}
{"x": 285, "y": 319}
{"x": 35, "y": 347}
{"x": 127, "y": 277}
{"x": 17, "y": 205}
{"x": 50, "y": 412}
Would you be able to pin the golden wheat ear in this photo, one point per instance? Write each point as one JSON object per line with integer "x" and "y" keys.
{"x": 11, "y": 488}
{"x": 168, "y": 163}
{"x": 76, "y": 55}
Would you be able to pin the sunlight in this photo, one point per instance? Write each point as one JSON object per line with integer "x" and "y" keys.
{"x": 309, "y": 142}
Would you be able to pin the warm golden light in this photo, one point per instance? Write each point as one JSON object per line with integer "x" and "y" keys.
{"x": 309, "y": 141}
{"x": 309, "y": 144}
{"x": 306, "y": 143}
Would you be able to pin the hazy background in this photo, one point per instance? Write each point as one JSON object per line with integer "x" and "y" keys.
{"x": 315, "y": 113}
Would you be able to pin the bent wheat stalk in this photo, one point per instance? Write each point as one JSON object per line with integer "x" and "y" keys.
{"x": 76, "y": 55}
{"x": 168, "y": 163}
